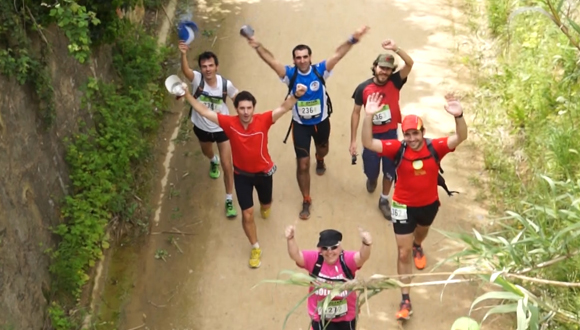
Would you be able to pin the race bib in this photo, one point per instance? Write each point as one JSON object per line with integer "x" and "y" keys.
{"x": 383, "y": 116}
{"x": 309, "y": 108}
{"x": 399, "y": 212}
{"x": 211, "y": 103}
{"x": 336, "y": 308}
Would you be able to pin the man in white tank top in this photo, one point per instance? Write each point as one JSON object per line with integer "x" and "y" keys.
{"x": 212, "y": 90}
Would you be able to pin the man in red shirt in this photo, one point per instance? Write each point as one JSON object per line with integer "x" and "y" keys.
{"x": 253, "y": 167}
{"x": 416, "y": 199}
{"x": 388, "y": 83}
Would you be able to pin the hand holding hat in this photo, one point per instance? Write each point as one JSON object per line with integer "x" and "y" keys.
{"x": 365, "y": 236}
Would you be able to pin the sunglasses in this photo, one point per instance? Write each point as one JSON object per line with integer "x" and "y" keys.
{"x": 331, "y": 248}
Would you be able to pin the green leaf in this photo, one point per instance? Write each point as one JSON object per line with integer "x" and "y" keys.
{"x": 500, "y": 309}
{"x": 501, "y": 295}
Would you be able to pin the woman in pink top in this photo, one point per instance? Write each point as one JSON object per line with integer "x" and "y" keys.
{"x": 330, "y": 263}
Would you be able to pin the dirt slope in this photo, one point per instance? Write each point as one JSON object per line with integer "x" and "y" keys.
{"x": 209, "y": 285}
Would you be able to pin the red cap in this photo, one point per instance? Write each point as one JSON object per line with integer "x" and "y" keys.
{"x": 412, "y": 122}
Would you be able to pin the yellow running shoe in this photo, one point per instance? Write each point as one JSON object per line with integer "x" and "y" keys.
{"x": 255, "y": 257}
{"x": 265, "y": 212}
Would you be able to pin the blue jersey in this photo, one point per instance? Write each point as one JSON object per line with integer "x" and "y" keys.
{"x": 311, "y": 109}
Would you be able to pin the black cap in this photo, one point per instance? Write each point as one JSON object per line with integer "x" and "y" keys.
{"x": 329, "y": 237}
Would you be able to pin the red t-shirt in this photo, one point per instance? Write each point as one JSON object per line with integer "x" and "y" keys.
{"x": 390, "y": 91}
{"x": 416, "y": 188}
{"x": 249, "y": 146}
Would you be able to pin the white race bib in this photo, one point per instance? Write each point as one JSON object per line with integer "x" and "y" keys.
{"x": 309, "y": 109}
{"x": 399, "y": 212}
{"x": 383, "y": 116}
{"x": 336, "y": 308}
{"x": 211, "y": 103}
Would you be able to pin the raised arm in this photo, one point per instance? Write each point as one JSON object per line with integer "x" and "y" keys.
{"x": 268, "y": 57}
{"x": 371, "y": 107}
{"x": 200, "y": 107}
{"x": 454, "y": 107}
{"x": 365, "y": 250}
{"x": 404, "y": 72}
{"x": 293, "y": 250}
{"x": 183, "y": 47}
{"x": 288, "y": 103}
{"x": 345, "y": 47}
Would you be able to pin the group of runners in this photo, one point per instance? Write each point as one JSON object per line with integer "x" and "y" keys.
{"x": 411, "y": 164}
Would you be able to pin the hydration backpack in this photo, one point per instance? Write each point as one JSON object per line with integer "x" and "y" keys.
{"x": 440, "y": 180}
{"x": 199, "y": 91}
{"x": 291, "y": 85}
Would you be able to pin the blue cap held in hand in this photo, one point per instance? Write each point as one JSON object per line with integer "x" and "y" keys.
{"x": 186, "y": 31}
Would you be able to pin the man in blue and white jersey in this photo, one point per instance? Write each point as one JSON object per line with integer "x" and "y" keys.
{"x": 310, "y": 115}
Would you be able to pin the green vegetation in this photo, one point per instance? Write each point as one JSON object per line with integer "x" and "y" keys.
{"x": 528, "y": 112}
{"x": 106, "y": 157}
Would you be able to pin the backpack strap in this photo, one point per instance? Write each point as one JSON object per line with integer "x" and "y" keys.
{"x": 290, "y": 85}
{"x": 224, "y": 89}
{"x": 440, "y": 178}
{"x": 345, "y": 268}
{"x": 318, "y": 266}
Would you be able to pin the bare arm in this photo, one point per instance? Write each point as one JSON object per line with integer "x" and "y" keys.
{"x": 404, "y": 72}
{"x": 268, "y": 57}
{"x": 454, "y": 108}
{"x": 345, "y": 48}
{"x": 354, "y": 121}
{"x": 288, "y": 103}
{"x": 201, "y": 108}
{"x": 184, "y": 65}
{"x": 295, "y": 253}
{"x": 365, "y": 250}
{"x": 367, "y": 135}
{"x": 293, "y": 250}
{"x": 460, "y": 133}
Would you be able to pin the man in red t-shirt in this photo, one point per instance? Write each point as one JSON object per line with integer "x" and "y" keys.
{"x": 385, "y": 122}
{"x": 415, "y": 200}
{"x": 253, "y": 167}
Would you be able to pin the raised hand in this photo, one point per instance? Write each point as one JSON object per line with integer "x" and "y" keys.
{"x": 365, "y": 236}
{"x": 289, "y": 232}
{"x": 300, "y": 90}
{"x": 360, "y": 32}
{"x": 183, "y": 47}
{"x": 389, "y": 44}
{"x": 373, "y": 104}
{"x": 453, "y": 105}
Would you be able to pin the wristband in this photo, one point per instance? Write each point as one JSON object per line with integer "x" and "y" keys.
{"x": 366, "y": 244}
{"x": 460, "y": 116}
{"x": 352, "y": 40}
{"x": 295, "y": 96}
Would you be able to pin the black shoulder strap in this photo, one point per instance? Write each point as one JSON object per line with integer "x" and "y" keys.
{"x": 224, "y": 89}
{"x": 318, "y": 75}
{"x": 399, "y": 156}
{"x": 318, "y": 267}
{"x": 345, "y": 268}
{"x": 434, "y": 153}
{"x": 292, "y": 80}
{"x": 199, "y": 89}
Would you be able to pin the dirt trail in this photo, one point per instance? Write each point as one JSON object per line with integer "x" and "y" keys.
{"x": 209, "y": 285}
